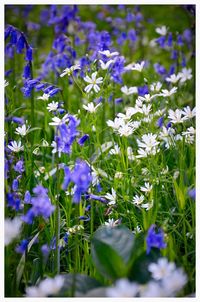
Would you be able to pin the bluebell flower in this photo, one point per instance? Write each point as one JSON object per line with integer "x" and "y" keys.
{"x": 67, "y": 178}
{"x": 21, "y": 248}
{"x": 155, "y": 239}
{"x": 81, "y": 177}
{"x": 142, "y": 90}
{"x": 180, "y": 40}
{"x": 13, "y": 201}
{"x": 174, "y": 54}
{"x": 170, "y": 40}
{"x": 84, "y": 218}
{"x": 19, "y": 166}
{"x": 66, "y": 237}
{"x": 192, "y": 193}
{"x": 45, "y": 250}
{"x": 27, "y": 71}
{"x": 83, "y": 139}
{"x": 41, "y": 205}
{"x": 13, "y": 37}
{"x": 54, "y": 91}
{"x": 130, "y": 17}
{"x": 159, "y": 69}
{"x": 187, "y": 35}
{"x": 132, "y": 35}
{"x": 21, "y": 43}
{"x": 15, "y": 184}
{"x": 27, "y": 197}
{"x": 159, "y": 122}
{"x": 169, "y": 124}
{"x": 96, "y": 197}
{"x": 29, "y": 54}
{"x": 18, "y": 120}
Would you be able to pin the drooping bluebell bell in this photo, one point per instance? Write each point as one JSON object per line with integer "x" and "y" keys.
{"x": 159, "y": 69}
{"x": 19, "y": 166}
{"x": 18, "y": 120}
{"x": 96, "y": 197}
{"x": 13, "y": 201}
{"x": 15, "y": 184}
{"x": 159, "y": 122}
{"x": 83, "y": 139}
{"x": 161, "y": 41}
{"x": 155, "y": 239}
{"x": 192, "y": 193}
{"x": 22, "y": 246}
{"x": 81, "y": 177}
{"x": 142, "y": 90}
{"x": 170, "y": 40}
{"x": 27, "y": 71}
{"x": 27, "y": 197}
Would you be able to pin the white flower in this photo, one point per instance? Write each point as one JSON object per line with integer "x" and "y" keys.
{"x": 152, "y": 289}
{"x": 12, "y": 228}
{"x": 22, "y": 130}
{"x": 175, "y": 116}
{"x": 53, "y": 106}
{"x": 16, "y": 146}
{"x": 147, "y": 188}
{"x": 146, "y": 109}
{"x": 129, "y": 90}
{"x": 47, "y": 287}
{"x": 130, "y": 153}
{"x": 147, "y": 205}
{"x": 6, "y": 83}
{"x": 126, "y": 129}
{"x": 129, "y": 112}
{"x": 155, "y": 86}
{"x": 137, "y": 230}
{"x": 118, "y": 175}
{"x": 135, "y": 66}
{"x": 173, "y": 78}
{"x": 106, "y": 65}
{"x": 56, "y": 148}
{"x": 167, "y": 93}
{"x": 161, "y": 269}
{"x": 189, "y": 131}
{"x": 56, "y": 121}
{"x": 147, "y": 98}
{"x": 93, "y": 82}
{"x": 137, "y": 200}
{"x": 91, "y": 108}
{"x": 44, "y": 97}
{"x": 188, "y": 113}
{"x": 173, "y": 283}
{"x": 123, "y": 288}
{"x": 115, "y": 150}
{"x": 111, "y": 197}
{"x": 161, "y": 30}
{"x": 185, "y": 74}
{"x": 69, "y": 71}
{"x": 116, "y": 123}
{"x": 149, "y": 142}
{"x": 109, "y": 54}
{"x": 111, "y": 223}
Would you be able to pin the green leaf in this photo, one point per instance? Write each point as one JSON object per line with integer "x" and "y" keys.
{"x": 111, "y": 250}
{"x": 36, "y": 270}
{"x": 139, "y": 270}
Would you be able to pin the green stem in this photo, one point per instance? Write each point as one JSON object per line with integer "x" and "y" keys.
{"x": 57, "y": 225}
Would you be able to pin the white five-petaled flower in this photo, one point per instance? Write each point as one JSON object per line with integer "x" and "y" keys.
{"x": 137, "y": 200}
{"x": 16, "y": 146}
{"x": 106, "y": 65}
{"x": 12, "y": 228}
{"x": 147, "y": 188}
{"x": 56, "y": 121}
{"x": 185, "y": 74}
{"x": 115, "y": 150}
{"x": 147, "y": 97}
{"x": 123, "y": 288}
{"x": 130, "y": 153}
{"x": 175, "y": 116}
{"x": 161, "y": 269}
{"x": 93, "y": 81}
{"x": 111, "y": 197}
{"x": 44, "y": 97}
{"x": 135, "y": 66}
{"x": 129, "y": 112}
{"x": 47, "y": 287}
{"x": 188, "y": 112}
{"x": 173, "y": 78}
{"x": 108, "y": 54}
{"x": 69, "y": 71}
{"x": 91, "y": 108}
{"x": 161, "y": 30}
{"x": 126, "y": 129}
{"x": 167, "y": 93}
{"x": 22, "y": 130}
{"x": 129, "y": 90}
{"x": 148, "y": 145}
{"x": 147, "y": 206}
{"x": 116, "y": 123}
{"x": 53, "y": 106}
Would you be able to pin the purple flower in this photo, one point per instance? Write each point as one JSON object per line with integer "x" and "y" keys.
{"x": 159, "y": 122}
{"x": 192, "y": 193}
{"x": 21, "y": 248}
{"x": 29, "y": 54}
{"x": 67, "y": 178}
{"x": 13, "y": 201}
{"x": 15, "y": 185}
{"x": 27, "y": 197}
{"x": 142, "y": 90}
{"x": 96, "y": 197}
{"x": 19, "y": 166}
{"x": 81, "y": 176}
{"x": 154, "y": 239}
{"x": 82, "y": 140}
{"x": 41, "y": 205}
{"x": 27, "y": 72}
{"x": 45, "y": 250}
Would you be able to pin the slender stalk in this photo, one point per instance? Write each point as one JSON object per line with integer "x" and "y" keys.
{"x": 57, "y": 225}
